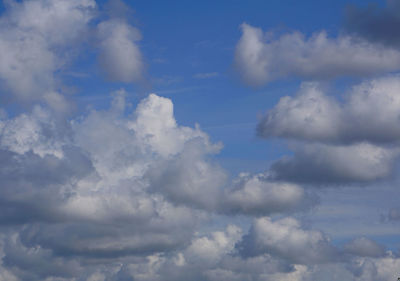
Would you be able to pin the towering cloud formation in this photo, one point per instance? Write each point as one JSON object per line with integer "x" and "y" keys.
{"x": 109, "y": 187}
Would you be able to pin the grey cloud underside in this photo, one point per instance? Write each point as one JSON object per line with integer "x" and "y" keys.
{"x": 326, "y": 164}
{"x": 364, "y": 247}
{"x": 379, "y": 25}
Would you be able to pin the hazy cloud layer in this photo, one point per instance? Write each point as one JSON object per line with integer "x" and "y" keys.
{"x": 261, "y": 58}
{"x": 379, "y": 25}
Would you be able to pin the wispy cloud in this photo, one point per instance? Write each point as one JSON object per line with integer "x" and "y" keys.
{"x": 206, "y": 75}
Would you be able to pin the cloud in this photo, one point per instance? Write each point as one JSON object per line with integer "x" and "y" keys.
{"x": 120, "y": 57}
{"x": 353, "y": 140}
{"x": 81, "y": 187}
{"x": 287, "y": 239}
{"x": 380, "y": 25}
{"x": 111, "y": 188}
{"x": 260, "y": 58}
{"x": 364, "y": 247}
{"x": 392, "y": 215}
{"x": 379, "y": 269}
{"x": 259, "y": 196}
{"x": 206, "y": 75}
{"x": 38, "y": 38}
{"x": 369, "y": 112}
{"x": 193, "y": 182}
{"x": 117, "y": 195}
{"x": 210, "y": 250}
{"x": 326, "y": 164}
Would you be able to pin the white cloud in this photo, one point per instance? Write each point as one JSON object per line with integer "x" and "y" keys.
{"x": 287, "y": 239}
{"x": 112, "y": 187}
{"x": 378, "y": 269}
{"x": 120, "y": 57}
{"x": 310, "y": 115}
{"x": 320, "y": 163}
{"x": 260, "y": 58}
{"x": 370, "y": 112}
{"x": 354, "y": 140}
{"x": 36, "y": 39}
{"x": 90, "y": 178}
{"x": 209, "y": 250}
{"x": 364, "y": 247}
{"x": 258, "y": 195}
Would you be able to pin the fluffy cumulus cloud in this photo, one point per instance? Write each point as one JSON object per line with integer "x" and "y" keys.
{"x": 313, "y": 115}
{"x": 286, "y": 238}
{"x": 103, "y": 197}
{"x": 258, "y": 195}
{"x": 131, "y": 195}
{"x": 82, "y": 188}
{"x": 36, "y": 40}
{"x": 324, "y": 164}
{"x": 107, "y": 189}
{"x": 261, "y": 58}
{"x": 337, "y": 141}
{"x": 40, "y": 38}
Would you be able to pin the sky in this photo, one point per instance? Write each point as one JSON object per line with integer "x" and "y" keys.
{"x": 223, "y": 140}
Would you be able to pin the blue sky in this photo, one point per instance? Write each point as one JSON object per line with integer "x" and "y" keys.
{"x": 210, "y": 140}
